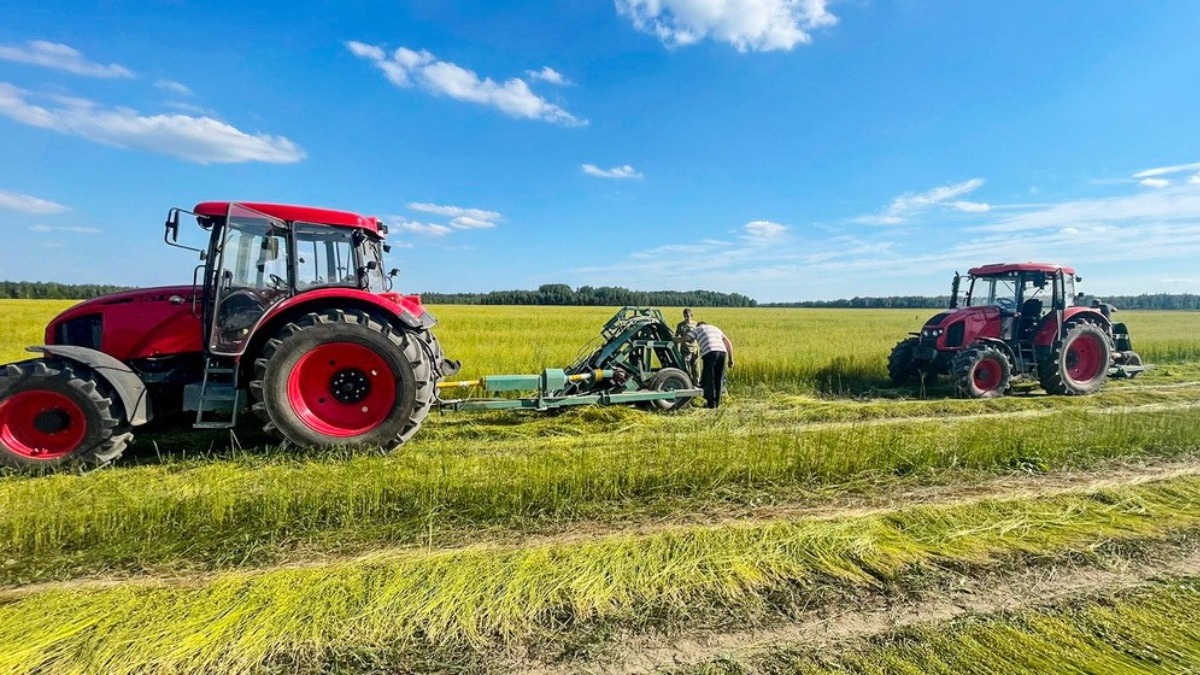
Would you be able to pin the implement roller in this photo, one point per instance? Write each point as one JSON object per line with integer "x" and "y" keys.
{"x": 634, "y": 360}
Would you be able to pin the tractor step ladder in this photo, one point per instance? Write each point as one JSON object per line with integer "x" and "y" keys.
{"x": 218, "y": 393}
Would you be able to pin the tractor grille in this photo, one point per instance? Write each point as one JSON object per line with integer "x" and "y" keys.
{"x": 83, "y": 331}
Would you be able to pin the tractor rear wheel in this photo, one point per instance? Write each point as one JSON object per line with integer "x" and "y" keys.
{"x": 901, "y": 367}
{"x": 1079, "y": 363}
{"x": 54, "y": 413}
{"x": 982, "y": 371}
{"x": 670, "y": 379}
{"x": 345, "y": 378}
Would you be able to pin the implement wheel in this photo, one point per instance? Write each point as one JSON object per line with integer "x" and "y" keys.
{"x": 901, "y": 367}
{"x": 982, "y": 371}
{"x": 345, "y": 378}
{"x": 1079, "y": 363}
{"x": 670, "y": 379}
{"x": 54, "y": 413}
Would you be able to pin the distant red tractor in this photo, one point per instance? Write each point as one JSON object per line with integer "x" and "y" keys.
{"x": 1018, "y": 322}
{"x": 289, "y": 306}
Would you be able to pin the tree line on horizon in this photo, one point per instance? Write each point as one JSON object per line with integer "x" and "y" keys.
{"x": 610, "y": 296}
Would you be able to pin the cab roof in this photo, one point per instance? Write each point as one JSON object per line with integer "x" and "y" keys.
{"x": 1008, "y": 268}
{"x": 290, "y": 213}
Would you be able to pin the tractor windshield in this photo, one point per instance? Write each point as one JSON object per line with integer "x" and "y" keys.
{"x": 996, "y": 291}
{"x": 325, "y": 256}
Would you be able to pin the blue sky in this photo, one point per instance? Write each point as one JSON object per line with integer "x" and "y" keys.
{"x": 787, "y": 149}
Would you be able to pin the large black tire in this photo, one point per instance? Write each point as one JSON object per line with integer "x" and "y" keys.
{"x": 901, "y": 366}
{"x": 981, "y": 371}
{"x": 55, "y": 413}
{"x": 670, "y": 379}
{"x": 346, "y": 378}
{"x": 1079, "y": 363}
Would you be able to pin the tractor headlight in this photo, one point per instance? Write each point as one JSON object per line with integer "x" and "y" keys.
{"x": 932, "y": 332}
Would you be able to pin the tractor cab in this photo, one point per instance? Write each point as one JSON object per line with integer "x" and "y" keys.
{"x": 1017, "y": 322}
{"x": 261, "y": 255}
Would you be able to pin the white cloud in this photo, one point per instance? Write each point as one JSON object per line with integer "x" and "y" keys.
{"x": 12, "y": 201}
{"x": 970, "y": 207}
{"x": 174, "y": 87}
{"x": 617, "y": 172}
{"x": 1159, "y": 207}
{"x": 407, "y": 68}
{"x": 1167, "y": 170}
{"x": 1155, "y": 182}
{"x": 1194, "y": 180}
{"x": 199, "y": 139}
{"x": 549, "y": 76}
{"x": 428, "y": 229}
{"x": 910, "y": 204}
{"x": 460, "y": 219}
{"x": 764, "y": 229}
{"x": 456, "y": 212}
{"x": 748, "y": 25}
{"x": 61, "y": 57}
{"x": 71, "y": 230}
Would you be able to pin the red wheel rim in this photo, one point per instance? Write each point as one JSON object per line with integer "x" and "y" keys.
{"x": 1085, "y": 357}
{"x": 41, "y": 425}
{"x": 987, "y": 374}
{"x": 342, "y": 389}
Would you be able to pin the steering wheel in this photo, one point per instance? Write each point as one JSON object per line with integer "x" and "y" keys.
{"x": 277, "y": 282}
{"x": 1007, "y": 304}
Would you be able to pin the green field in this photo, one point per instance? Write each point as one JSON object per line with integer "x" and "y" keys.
{"x": 620, "y": 540}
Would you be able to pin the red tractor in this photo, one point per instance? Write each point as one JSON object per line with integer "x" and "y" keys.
{"x": 1018, "y": 323}
{"x": 289, "y": 312}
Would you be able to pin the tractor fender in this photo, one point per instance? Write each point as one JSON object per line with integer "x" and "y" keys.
{"x": 403, "y": 310}
{"x": 129, "y": 387}
{"x": 1001, "y": 345}
{"x": 1047, "y": 334}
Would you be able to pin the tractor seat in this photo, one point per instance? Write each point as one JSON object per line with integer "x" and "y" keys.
{"x": 1031, "y": 312}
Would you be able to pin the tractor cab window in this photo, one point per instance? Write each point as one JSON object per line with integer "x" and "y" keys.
{"x": 325, "y": 256}
{"x": 994, "y": 291}
{"x": 251, "y": 276}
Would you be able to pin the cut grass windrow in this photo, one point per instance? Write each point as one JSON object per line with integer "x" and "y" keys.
{"x": 228, "y": 513}
{"x": 495, "y": 597}
{"x": 1150, "y": 629}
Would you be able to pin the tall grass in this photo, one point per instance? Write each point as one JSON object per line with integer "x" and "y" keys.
{"x": 797, "y": 350}
{"x": 224, "y": 513}
{"x": 494, "y": 597}
{"x": 1151, "y": 629}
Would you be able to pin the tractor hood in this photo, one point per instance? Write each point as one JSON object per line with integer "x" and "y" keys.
{"x": 960, "y": 327}
{"x": 944, "y": 319}
{"x": 141, "y": 323}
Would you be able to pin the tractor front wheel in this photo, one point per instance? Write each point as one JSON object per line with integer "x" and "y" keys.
{"x": 982, "y": 371}
{"x": 1079, "y": 363}
{"x": 52, "y": 414}
{"x": 670, "y": 379}
{"x": 345, "y": 378}
{"x": 901, "y": 366}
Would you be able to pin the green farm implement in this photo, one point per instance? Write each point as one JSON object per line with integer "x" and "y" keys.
{"x": 635, "y": 359}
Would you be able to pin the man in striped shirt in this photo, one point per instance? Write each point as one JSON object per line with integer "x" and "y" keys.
{"x": 716, "y": 352}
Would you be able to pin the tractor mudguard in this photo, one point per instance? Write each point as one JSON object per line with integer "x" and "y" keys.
{"x": 129, "y": 387}
{"x": 1002, "y": 346}
{"x": 1047, "y": 333}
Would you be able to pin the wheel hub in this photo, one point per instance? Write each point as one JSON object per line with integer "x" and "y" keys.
{"x": 52, "y": 421}
{"x": 350, "y": 385}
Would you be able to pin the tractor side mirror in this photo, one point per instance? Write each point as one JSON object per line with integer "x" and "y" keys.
{"x": 172, "y": 225}
{"x": 1078, "y": 279}
{"x": 394, "y": 273}
{"x": 270, "y": 247}
{"x": 387, "y": 248}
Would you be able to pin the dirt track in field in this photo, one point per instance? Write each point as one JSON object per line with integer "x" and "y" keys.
{"x": 827, "y": 627}
{"x": 817, "y": 508}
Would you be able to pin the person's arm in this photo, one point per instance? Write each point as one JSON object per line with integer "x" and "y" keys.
{"x": 728, "y": 348}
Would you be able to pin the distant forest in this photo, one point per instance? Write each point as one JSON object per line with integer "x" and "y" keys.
{"x": 562, "y": 294}
{"x": 1145, "y": 301}
{"x": 613, "y": 296}
{"x": 43, "y": 290}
